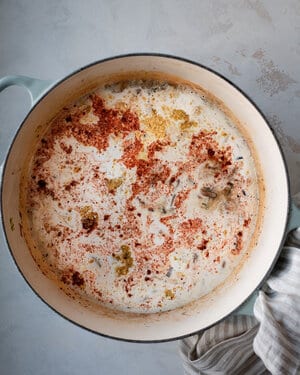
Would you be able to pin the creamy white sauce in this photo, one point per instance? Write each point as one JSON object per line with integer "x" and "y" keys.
{"x": 184, "y": 274}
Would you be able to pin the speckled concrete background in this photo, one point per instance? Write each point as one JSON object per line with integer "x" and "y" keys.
{"x": 254, "y": 43}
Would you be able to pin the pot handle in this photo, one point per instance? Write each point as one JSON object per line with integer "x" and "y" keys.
{"x": 294, "y": 222}
{"x": 35, "y": 87}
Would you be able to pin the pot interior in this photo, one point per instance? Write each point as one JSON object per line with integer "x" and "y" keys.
{"x": 208, "y": 310}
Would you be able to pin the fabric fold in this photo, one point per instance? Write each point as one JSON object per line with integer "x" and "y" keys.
{"x": 267, "y": 343}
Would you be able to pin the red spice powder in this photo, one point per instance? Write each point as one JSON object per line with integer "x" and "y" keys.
{"x": 203, "y": 147}
{"x": 131, "y": 150}
{"x": 110, "y": 121}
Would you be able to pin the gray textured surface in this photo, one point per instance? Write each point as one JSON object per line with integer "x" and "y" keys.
{"x": 254, "y": 43}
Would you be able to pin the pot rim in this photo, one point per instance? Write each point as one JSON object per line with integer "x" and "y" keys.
{"x": 167, "y": 56}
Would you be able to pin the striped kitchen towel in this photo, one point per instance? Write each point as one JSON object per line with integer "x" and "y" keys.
{"x": 264, "y": 344}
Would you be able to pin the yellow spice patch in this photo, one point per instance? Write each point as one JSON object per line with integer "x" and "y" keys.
{"x": 187, "y": 125}
{"x": 138, "y": 134}
{"x": 179, "y": 114}
{"x": 126, "y": 260}
{"x": 114, "y": 183}
{"x": 86, "y": 213}
{"x": 85, "y": 210}
{"x": 157, "y": 125}
{"x": 169, "y": 294}
{"x": 183, "y": 117}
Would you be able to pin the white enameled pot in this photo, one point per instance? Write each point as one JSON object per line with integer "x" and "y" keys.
{"x": 279, "y": 216}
